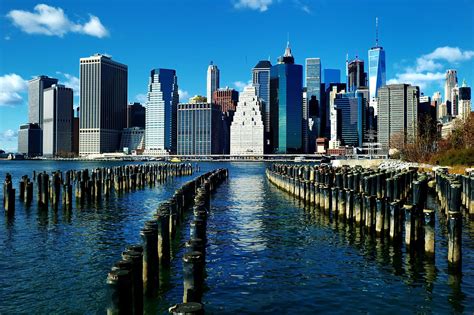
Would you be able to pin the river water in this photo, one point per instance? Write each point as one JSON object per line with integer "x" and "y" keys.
{"x": 267, "y": 253}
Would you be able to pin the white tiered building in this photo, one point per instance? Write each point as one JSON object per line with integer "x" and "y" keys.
{"x": 246, "y": 131}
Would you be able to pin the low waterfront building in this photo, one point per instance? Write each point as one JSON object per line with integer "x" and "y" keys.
{"x": 133, "y": 139}
{"x": 246, "y": 131}
{"x": 30, "y": 140}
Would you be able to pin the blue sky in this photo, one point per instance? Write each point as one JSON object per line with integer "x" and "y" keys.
{"x": 422, "y": 39}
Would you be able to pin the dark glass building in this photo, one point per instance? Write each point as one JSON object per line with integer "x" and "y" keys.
{"x": 30, "y": 140}
{"x": 351, "y": 118}
{"x": 286, "y": 100}
{"x": 261, "y": 80}
{"x": 135, "y": 115}
{"x": 356, "y": 76}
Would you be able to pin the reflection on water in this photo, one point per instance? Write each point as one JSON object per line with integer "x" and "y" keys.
{"x": 267, "y": 252}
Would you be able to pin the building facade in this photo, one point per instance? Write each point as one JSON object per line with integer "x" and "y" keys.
{"x": 133, "y": 139}
{"x": 377, "y": 74}
{"x": 36, "y": 89}
{"x": 161, "y": 111}
{"x": 261, "y": 80}
{"x": 58, "y": 121}
{"x": 286, "y": 99}
{"x": 213, "y": 78}
{"x": 464, "y": 101}
{"x": 313, "y": 100}
{"x": 199, "y": 128}
{"x": 356, "y": 77}
{"x": 135, "y": 115}
{"x": 226, "y": 98}
{"x": 103, "y": 103}
{"x": 398, "y": 114}
{"x": 351, "y": 112}
{"x": 450, "y": 82}
{"x": 30, "y": 140}
{"x": 246, "y": 131}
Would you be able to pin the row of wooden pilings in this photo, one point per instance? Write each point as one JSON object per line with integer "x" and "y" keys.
{"x": 89, "y": 185}
{"x": 137, "y": 274}
{"x": 391, "y": 204}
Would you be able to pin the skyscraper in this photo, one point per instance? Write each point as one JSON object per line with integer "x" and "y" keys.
{"x": 437, "y": 100}
{"x": 226, "y": 98}
{"x": 454, "y": 100}
{"x": 449, "y": 84}
{"x": 464, "y": 101}
{"x": 286, "y": 99}
{"x": 398, "y": 114}
{"x": 335, "y": 89}
{"x": 246, "y": 131}
{"x": 103, "y": 103}
{"x": 377, "y": 73}
{"x": 351, "y": 112}
{"x": 30, "y": 140}
{"x": 313, "y": 93}
{"x": 36, "y": 88}
{"x": 356, "y": 76}
{"x": 332, "y": 76}
{"x": 135, "y": 115}
{"x": 57, "y": 120}
{"x": 261, "y": 80}
{"x": 199, "y": 127}
{"x": 160, "y": 118}
{"x": 212, "y": 81}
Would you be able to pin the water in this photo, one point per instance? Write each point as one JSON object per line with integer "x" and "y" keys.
{"x": 266, "y": 253}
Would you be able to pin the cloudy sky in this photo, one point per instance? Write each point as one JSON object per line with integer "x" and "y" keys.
{"x": 422, "y": 39}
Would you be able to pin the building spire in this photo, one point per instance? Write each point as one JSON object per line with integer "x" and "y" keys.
{"x": 376, "y": 32}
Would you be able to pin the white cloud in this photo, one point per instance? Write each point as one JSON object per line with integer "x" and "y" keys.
{"x": 183, "y": 96}
{"x": 51, "y": 21}
{"x": 141, "y": 98}
{"x": 7, "y": 37}
{"x": 448, "y": 54}
{"x": 11, "y": 87}
{"x": 240, "y": 85}
{"x": 71, "y": 81}
{"x": 9, "y": 140}
{"x": 260, "y": 5}
{"x": 430, "y": 68}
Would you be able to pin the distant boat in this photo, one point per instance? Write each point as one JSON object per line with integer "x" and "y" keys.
{"x": 175, "y": 160}
{"x": 299, "y": 159}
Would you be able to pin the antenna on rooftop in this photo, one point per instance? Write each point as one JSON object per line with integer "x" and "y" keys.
{"x": 376, "y": 32}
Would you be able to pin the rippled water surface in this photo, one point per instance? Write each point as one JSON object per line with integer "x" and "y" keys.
{"x": 267, "y": 253}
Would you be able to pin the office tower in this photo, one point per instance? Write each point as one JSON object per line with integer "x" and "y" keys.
{"x": 226, "y": 98}
{"x": 212, "y": 81}
{"x": 356, "y": 76}
{"x": 437, "y": 100}
{"x": 351, "y": 111}
{"x": 75, "y": 136}
{"x": 103, "y": 103}
{"x": 30, "y": 140}
{"x": 133, "y": 139}
{"x": 198, "y": 99}
{"x": 449, "y": 84}
{"x": 332, "y": 123}
{"x": 199, "y": 129}
{"x": 135, "y": 115}
{"x": 58, "y": 114}
{"x": 331, "y": 76}
{"x": 454, "y": 100}
{"x": 398, "y": 114}
{"x": 377, "y": 73}
{"x": 286, "y": 99}
{"x": 261, "y": 80}
{"x": 246, "y": 131}
{"x": 464, "y": 101}
{"x": 313, "y": 92}
{"x": 36, "y": 88}
{"x": 160, "y": 117}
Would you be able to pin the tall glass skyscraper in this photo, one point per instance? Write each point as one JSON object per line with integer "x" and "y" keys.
{"x": 261, "y": 81}
{"x": 377, "y": 72}
{"x": 351, "y": 117}
{"x": 313, "y": 98}
{"x": 213, "y": 77}
{"x": 286, "y": 100}
{"x": 160, "y": 118}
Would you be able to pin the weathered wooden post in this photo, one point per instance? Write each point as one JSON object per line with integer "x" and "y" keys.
{"x": 379, "y": 215}
{"x": 136, "y": 258}
{"x": 193, "y": 275}
{"x": 164, "y": 250}
{"x": 394, "y": 220}
{"x": 120, "y": 286}
{"x": 149, "y": 236}
{"x": 454, "y": 239}
{"x": 429, "y": 232}
{"x": 409, "y": 225}
{"x": 191, "y": 308}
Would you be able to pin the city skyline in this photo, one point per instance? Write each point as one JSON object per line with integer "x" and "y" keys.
{"x": 84, "y": 32}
